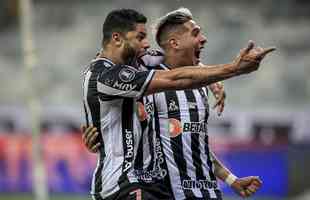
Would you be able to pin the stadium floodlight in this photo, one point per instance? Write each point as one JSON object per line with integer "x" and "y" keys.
{"x": 30, "y": 59}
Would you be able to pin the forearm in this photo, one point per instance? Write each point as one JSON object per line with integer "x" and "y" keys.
{"x": 212, "y": 87}
{"x": 220, "y": 170}
{"x": 206, "y": 75}
{"x": 191, "y": 77}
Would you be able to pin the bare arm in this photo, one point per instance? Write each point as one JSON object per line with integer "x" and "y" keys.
{"x": 191, "y": 77}
{"x": 220, "y": 170}
{"x": 245, "y": 186}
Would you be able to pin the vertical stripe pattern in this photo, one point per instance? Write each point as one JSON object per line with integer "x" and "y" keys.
{"x": 176, "y": 142}
{"x": 181, "y": 121}
{"x": 109, "y": 99}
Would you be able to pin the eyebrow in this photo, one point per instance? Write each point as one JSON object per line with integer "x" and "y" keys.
{"x": 143, "y": 34}
{"x": 196, "y": 29}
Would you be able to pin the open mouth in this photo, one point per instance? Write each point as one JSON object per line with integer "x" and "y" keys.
{"x": 198, "y": 52}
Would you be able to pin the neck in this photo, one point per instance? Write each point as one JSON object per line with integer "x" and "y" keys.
{"x": 112, "y": 54}
{"x": 175, "y": 60}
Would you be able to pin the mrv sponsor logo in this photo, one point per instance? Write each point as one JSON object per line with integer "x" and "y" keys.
{"x": 124, "y": 86}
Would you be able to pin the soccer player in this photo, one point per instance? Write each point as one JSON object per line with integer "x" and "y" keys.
{"x": 112, "y": 85}
{"x": 180, "y": 119}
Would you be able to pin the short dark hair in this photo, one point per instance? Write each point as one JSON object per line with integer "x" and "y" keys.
{"x": 122, "y": 21}
{"x": 172, "y": 21}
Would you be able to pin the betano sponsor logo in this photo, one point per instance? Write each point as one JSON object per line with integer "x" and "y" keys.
{"x": 195, "y": 127}
{"x": 176, "y": 127}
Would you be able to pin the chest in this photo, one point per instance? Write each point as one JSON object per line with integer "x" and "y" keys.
{"x": 191, "y": 105}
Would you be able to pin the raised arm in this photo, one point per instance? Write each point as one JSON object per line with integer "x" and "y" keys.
{"x": 194, "y": 77}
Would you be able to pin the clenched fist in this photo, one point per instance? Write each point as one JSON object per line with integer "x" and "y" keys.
{"x": 247, "y": 186}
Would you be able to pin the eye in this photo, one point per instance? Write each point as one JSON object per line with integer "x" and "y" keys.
{"x": 141, "y": 37}
{"x": 196, "y": 32}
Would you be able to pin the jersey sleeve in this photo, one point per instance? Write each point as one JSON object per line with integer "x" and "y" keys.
{"x": 151, "y": 59}
{"x": 124, "y": 81}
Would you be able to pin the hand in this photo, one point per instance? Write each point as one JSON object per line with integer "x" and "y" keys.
{"x": 250, "y": 57}
{"x": 247, "y": 186}
{"x": 89, "y": 138}
{"x": 218, "y": 92}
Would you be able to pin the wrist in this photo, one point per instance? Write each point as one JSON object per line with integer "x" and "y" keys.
{"x": 231, "y": 68}
{"x": 230, "y": 179}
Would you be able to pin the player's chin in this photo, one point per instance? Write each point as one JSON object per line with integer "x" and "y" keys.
{"x": 141, "y": 53}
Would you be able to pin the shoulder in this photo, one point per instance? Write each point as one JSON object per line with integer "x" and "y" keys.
{"x": 100, "y": 65}
{"x": 151, "y": 58}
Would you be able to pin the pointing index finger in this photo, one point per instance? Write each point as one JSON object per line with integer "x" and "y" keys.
{"x": 266, "y": 51}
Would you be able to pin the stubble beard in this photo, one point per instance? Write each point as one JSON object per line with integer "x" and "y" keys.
{"x": 129, "y": 54}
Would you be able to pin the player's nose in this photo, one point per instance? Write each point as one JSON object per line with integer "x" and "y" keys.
{"x": 203, "y": 39}
{"x": 146, "y": 44}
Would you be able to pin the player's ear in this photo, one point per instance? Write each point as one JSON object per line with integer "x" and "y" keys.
{"x": 173, "y": 43}
{"x": 117, "y": 38}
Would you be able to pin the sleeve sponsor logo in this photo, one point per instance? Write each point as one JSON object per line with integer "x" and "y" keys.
{"x": 124, "y": 86}
{"x": 127, "y": 74}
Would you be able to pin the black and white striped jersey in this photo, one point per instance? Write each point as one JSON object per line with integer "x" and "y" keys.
{"x": 110, "y": 94}
{"x": 180, "y": 122}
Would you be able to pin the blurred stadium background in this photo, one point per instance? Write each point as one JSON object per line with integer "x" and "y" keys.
{"x": 265, "y": 129}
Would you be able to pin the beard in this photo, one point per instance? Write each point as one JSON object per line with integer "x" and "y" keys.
{"x": 129, "y": 54}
